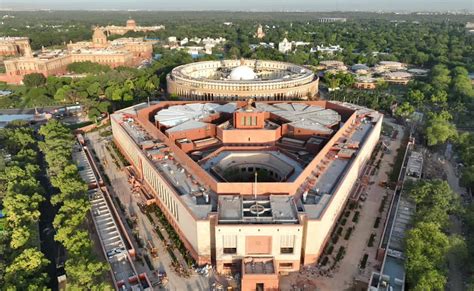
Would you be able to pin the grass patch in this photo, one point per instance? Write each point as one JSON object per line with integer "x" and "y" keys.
{"x": 119, "y": 154}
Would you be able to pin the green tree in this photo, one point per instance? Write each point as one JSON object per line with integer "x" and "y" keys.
{"x": 26, "y": 271}
{"x": 439, "y": 129}
{"x": 34, "y": 80}
{"x": 426, "y": 248}
{"x": 404, "y": 110}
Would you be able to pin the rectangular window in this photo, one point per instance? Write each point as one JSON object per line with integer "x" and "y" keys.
{"x": 230, "y": 250}
{"x": 242, "y": 120}
{"x": 228, "y": 265}
{"x": 286, "y": 265}
{"x": 286, "y": 250}
{"x": 260, "y": 287}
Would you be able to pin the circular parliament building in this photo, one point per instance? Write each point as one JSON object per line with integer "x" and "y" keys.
{"x": 242, "y": 79}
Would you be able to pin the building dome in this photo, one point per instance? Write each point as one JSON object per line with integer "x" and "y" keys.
{"x": 242, "y": 73}
{"x": 131, "y": 23}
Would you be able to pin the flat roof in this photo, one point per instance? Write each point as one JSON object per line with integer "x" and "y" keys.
{"x": 236, "y": 209}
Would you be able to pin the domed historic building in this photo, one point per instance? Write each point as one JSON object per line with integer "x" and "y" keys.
{"x": 242, "y": 73}
{"x": 242, "y": 79}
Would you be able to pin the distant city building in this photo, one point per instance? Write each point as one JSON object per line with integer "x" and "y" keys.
{"x": 239, "y": 80}
{"x": 366, "y": 83}
{"x": 400, "y": 78}
{"x": 360, "y": 69}
{"x": 13, "y": 46}
{"x": 332, "y": 19}
{"x": 332, "y": 66}
{"x": 184, "y": 41}
{"x": 270, "y": 45}
{"x": 172, "y": 39}
{"x": 119, "y": 52}
{"x": 327, "y": 49}
{"x": 196, "y": 40}
{"x": 260, "y": 33}
{"x": 131, "y": 25}
{"x": 390, "y": 66}
{"x": 285, "y": 46}
{"x": 253, "y": 187}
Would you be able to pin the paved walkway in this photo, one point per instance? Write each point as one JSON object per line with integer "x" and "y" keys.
{"x": 122, "y": 189}
{"x": 456, "y": 272}
{"x": 342, "y": 278}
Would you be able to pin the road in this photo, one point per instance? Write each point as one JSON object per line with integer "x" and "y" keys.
{"x": 49, "y": 246}
{"x": 456, "y": 274}
{"x": 121, "y": 188}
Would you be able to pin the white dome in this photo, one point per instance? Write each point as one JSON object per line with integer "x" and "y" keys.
{"x": 242, "y": 73}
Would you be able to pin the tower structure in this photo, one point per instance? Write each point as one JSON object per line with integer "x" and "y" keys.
{"x": 260, "y": 33}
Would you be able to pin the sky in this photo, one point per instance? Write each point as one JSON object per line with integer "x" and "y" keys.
{"x": 246, "y": 5}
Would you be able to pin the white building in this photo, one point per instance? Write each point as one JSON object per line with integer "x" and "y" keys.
{"x": 327, "y": 49}
{"x": 184, "y": 41}
{"x": 285, "y": 46}
{"x": 196, "y": 40}
{"x": 172, "y": 39}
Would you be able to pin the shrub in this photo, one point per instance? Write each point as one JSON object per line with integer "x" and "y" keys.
{"x": 324, "y": 261}
{"x": 352, "y": 205}
{"x": 382, "y": 204}
{"x": 371, "y": 240}
{"x": 377, "y": 222}
{"x": 355, "y": 219}
{"x": 363, "y": 262}
{"x": 343, "y": 221}
{"x": 34, "y": 80}
{"x": 335, "y": 239}
{"x": 347, "y": 213}
{"x": 148, "y": 262}
{"x": 340, "y": 254}
{"x": 348, "y": 233}
{"x": 339, "y": 231}
{"x": 329, "y": 249}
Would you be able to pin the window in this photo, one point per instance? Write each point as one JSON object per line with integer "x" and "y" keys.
{"x": 229, "y": 244}
{"x": 228, "y": 265}
{"x": 286, "y": 250}
{"x": 260, "y": 287}
{"x": 286, "y": 265}
{"x": 230, "y": 250}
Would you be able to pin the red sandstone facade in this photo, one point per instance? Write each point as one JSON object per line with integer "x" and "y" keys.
{"x": 121, "y": 52}
{"x": 13, "y": 46}
{"x": 213, "y": 217}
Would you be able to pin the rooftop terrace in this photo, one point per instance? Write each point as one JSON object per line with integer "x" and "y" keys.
{"x": 269, "y": 209}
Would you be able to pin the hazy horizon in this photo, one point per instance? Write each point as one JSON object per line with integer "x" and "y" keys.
{"x": 246, "y": 5}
